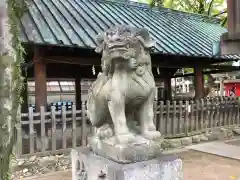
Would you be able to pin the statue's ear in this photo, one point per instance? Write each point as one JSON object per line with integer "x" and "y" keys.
{"x": 100, "y": 43}
{"x": 144, "y": 36}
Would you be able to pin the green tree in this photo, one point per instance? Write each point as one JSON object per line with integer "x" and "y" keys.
{"x": 212, "y": 8}
{"x": 11, "y": 59}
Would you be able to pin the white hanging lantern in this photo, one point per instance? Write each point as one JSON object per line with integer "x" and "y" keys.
{"x": 93, "y": 70}
{"x": 158, "y": 71}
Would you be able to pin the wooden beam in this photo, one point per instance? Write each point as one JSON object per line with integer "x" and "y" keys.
{"x": 215, "y": 69}
{"x": 159, "y": 61}
{"x": 177, "y": 62}
{"x": 224, "y": 67}
{"x": 180, "y": 61}
{"x": 86, "y": 61}
{"x": 204, "y": 72}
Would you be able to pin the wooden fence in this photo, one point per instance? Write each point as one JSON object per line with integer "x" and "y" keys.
{"x": 69, "y": 129}
{"x": 178, "y": 118}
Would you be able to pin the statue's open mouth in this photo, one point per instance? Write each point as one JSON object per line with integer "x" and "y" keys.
{"x": 117, "y": 47}
{"x": 120, "y": 50}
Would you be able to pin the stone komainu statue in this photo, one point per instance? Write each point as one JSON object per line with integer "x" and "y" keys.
{"x": 125, "y": 90}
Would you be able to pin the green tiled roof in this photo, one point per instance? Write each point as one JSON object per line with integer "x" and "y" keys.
{"x": 77, "y": 22}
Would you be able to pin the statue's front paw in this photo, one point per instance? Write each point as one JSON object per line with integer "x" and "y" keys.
{"x": 152, "y": 135}
{"x": 152, "y": 127}
{"x": 125, "y": 138}
{"x": 104, "y": 132}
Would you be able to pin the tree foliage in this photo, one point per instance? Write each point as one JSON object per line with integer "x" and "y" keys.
{"x": 212, "y": 8}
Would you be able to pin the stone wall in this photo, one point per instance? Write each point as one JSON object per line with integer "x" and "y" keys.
{"x": 211, "y": 135}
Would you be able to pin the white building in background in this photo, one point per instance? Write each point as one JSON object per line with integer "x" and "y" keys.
{"x": 180, "y": 85}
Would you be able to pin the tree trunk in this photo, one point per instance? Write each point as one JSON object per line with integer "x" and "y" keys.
{"x": 7, "y": 123}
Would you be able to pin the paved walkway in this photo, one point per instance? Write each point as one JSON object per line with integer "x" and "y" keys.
{"x": 228, "y": 149}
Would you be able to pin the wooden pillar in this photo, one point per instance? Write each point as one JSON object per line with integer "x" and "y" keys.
{"x": 24, "y": 93}
{"x": 231, "y": 16}
{"x": 230, "y": 41}
{"x": 78, "y": 92}
{"x": 233, "y": 13}
{"x": 159, "y": 96}
{"x": 221, "y": 87}
{"x": 199, "y": 83}
{"x": 40, "y": 82}
{"x": 167, "y": 87}
{"x": 237, "y": 11}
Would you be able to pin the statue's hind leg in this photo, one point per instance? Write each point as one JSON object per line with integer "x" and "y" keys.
{"x": 146, "y": 115}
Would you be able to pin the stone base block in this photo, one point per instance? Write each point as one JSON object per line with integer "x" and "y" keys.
{"x": 139, "y": 150}
{"x": 93, "y": 167}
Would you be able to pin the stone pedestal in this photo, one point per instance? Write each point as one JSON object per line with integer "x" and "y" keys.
{"x": 140, "y": 150}
{"x": 97, "y": 167}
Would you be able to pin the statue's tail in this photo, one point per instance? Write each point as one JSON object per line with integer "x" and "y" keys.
{"x": 93, "y": 112}
{"x": 95, "y": 101}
